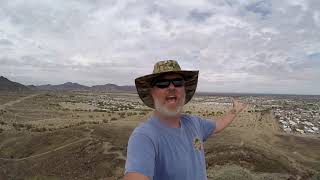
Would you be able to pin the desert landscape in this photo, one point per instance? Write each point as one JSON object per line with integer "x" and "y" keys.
{"x": 84, "y": 134}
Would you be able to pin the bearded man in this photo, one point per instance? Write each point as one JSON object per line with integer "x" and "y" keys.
{"x": 169, "y": 145}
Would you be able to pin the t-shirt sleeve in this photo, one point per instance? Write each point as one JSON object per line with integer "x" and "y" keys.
{"x": 140, "y": 155}
{"x": 207, "y": 127}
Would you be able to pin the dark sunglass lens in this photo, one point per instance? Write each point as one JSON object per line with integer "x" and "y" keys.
{"x": 178, "y": 82}
{"x": 162, "y": 84}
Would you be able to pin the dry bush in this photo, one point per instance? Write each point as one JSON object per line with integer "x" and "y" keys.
{"x": 121, "y": 113}
{"x": 17, "y": 125}
{"x": 2, "y": 123}
{"x": 29, "y": 126}
{"x": 39, "y": 129}
{"x": 316, "y": 176}
{"x": 232, "y": 172}
{"x": 188, "y": 112}
{"x": 142, "y": 113}
{"x": 113, "y": 119}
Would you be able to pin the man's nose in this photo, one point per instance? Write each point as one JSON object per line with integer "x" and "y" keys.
{"x": 171, "y": 86}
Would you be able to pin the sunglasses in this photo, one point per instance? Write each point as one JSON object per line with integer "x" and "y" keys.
{"x": 164, "y": 83}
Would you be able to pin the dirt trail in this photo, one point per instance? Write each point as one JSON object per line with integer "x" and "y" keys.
{"x": 44, "y": 153}
{"x": 10, "y": 103}
{"x": 87, "y": 137}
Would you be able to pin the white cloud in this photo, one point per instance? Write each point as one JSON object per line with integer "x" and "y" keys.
{"x": 264, "y": 45}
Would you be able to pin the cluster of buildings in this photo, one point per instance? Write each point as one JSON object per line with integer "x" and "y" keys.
{"x": 295, "y": 114}
{"x": 299, "y": 120}
{"x": 109, "y": 103}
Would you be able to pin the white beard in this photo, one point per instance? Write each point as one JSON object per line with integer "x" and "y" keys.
{"x": 169, "y": 112}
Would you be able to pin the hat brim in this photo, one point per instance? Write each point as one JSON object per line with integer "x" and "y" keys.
{"x": 143, "y": 85}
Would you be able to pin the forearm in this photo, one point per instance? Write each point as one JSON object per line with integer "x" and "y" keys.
{"x": 224, "y": 121}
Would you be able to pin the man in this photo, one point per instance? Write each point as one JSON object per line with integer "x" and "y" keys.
{"x": 169, "y": 145}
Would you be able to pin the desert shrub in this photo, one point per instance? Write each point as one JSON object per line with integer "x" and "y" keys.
{"x": 219, "y": 113}
{"x": 18, "y": 125}
{"x": 28, "y": 126}
{"x": 2, "y": 123}
{"x": 39, "y": 129}
{"x": 142, "y": 113}
{"x": 105, "y": 120}
{"x": 233, "y": 173}
{"x": 99, "y": 110}
{"x": 316, "y": 176}
{"x": 134, "y": 113}
{"x": 113, "y": 119}
{"x": 1, "y": 130}
{"x": 90, "y": 116}
{"x": 129, "y": 113}
{"x": 188, "y": 112}
{"x": 122, "y": 113}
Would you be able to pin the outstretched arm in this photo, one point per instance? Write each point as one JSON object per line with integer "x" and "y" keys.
{"x": 230, "y": 116}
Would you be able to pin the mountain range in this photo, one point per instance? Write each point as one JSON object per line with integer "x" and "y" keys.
{"x": 7, "y": 85}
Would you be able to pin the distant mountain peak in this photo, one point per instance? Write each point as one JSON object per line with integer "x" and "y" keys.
{"x": 2, "y": 77}
{"x": 7, "y": 85}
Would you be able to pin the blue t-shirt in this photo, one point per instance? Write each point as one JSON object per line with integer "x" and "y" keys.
{"x": 161, "y": 152}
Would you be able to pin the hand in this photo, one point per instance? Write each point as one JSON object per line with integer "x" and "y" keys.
{"x": 238, "y": 106}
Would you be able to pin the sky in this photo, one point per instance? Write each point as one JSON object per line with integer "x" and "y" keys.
{"x": 264, "y": 46}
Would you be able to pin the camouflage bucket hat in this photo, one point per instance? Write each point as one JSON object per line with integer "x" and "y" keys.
{"x": 143, "y": 84}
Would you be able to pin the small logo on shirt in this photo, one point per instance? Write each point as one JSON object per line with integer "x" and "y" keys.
{"x": 197, "y": 143}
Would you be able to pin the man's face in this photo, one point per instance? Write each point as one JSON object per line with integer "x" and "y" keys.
{"x": 170, "y": 100}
